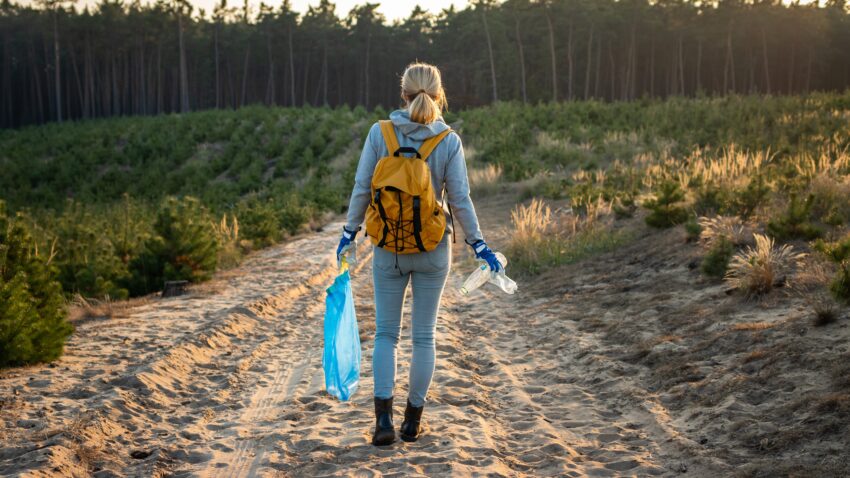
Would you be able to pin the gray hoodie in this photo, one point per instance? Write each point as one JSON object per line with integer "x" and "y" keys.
{"x": 448, "y": 169}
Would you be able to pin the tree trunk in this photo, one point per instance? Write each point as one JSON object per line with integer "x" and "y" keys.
{"x": 291, "y": 69}
{"x": 143, "y": 90}
{"x": 764, "y": 55}
{"x": 57, "y": 65}
{"x": 270, "y": 100}
{"x": 521, "y": 62}
{"x": 598, "y": 68}
{"x": 39, "y": 101}
{"x": 325, "y": 74}
{"x": 791, "y": 69}
{"x": 492, "y": 60}
{"x": 809, "y": 73}
{"x": 587, "y": 69}
{"x": 159, "y": 97}
{"x": 729, "y": 68}
{"x": 613, "y": 73}
{"x": 217, "y": 69}
{"x": 699, "y": 66}
{"x": 184, "y": 79}
{"x": 306, "y": 79}
{"x": 681, "y": 68}
{"x": 652, "y": 67}
{"x": 77, "y": 78}
{"x": 244, "y": 97}
{"x": 8, "y": 120}
{"x": 366, "y": 69}
{"x": 570, "y": 62}
{"x": 552, "y": 55}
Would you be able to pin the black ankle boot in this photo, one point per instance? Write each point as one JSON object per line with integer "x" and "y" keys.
{"x": 384, "y": 430}
{"x": 410, "y": 426}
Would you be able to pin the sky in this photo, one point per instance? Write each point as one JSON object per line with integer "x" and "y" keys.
{"x": 392, "y": 10}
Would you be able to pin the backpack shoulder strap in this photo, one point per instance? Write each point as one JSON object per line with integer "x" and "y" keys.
{"x": 429, "y": 144}
{"x": 389, "y": 136}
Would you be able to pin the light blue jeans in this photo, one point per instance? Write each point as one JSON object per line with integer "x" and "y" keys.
{"x": 428, "y": 272}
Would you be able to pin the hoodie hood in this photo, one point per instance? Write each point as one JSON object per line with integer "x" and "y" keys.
{"x": 417, "y": 131}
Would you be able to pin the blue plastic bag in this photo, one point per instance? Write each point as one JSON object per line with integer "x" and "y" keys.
{"x": 341, "y": 359}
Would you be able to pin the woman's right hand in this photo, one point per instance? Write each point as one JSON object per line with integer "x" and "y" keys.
{"x": 484, "y": 253}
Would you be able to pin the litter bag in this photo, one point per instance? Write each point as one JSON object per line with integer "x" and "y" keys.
{"x": 341, "y": 359}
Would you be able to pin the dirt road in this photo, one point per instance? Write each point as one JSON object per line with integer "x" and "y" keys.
{"x": 227, "y": 381}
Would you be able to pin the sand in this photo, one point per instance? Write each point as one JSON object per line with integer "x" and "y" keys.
{"x": 601, "y": 368}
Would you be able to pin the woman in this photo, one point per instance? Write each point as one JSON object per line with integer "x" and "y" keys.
{"x": 422, "y": 91}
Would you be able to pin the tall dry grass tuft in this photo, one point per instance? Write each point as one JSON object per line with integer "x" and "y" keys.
{"x": 758, "y": 269}
{"x": 732, "y": 228}
{"x": 485, "y": 180}
{"x": 811, "y": 283}
{"x": 81, "y": 308}
{"x": 828, "y": 160}
{"x": 227, "y": 234}
{"x": 544, "y": 238}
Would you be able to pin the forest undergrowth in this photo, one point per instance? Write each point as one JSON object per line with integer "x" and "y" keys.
{"x": 113, "y": 208}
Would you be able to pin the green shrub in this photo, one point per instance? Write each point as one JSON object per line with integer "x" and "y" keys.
{"x": 744, "y": 202}
{"x": 716, "y": 261}
{"x": 666, "y": 209}
{"x": 693, "y": 229}
{"x": 258, "y": 221}
{"x": 795, "y": 222}
{"x": 838, "y": 252}
{"x": 184, "y": 247}
{"x": 840, "y": 285}
{"x": 624, "y": 206}
{"x": 32, "y": 312}
{"x": 709, "y": 200}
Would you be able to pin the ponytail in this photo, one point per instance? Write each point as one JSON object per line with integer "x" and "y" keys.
{"x": 422, "y": 89}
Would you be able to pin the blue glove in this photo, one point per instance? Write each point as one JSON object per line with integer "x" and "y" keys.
{"x": 483, "y": 252}
{"x": 345, "y": 244}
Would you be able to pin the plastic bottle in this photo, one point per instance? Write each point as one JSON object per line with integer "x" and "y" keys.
{"x": 482, "y": 275}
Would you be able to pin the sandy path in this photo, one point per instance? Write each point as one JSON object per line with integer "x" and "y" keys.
{"x": 231, "y": 385}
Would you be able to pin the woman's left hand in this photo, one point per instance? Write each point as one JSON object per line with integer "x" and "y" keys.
{"x": 484, "y": 253}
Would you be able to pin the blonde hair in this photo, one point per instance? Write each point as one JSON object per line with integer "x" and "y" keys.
{"x": 422, "y": 90}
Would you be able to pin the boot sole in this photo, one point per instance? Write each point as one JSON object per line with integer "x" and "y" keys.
{"x": 385, "y": 442}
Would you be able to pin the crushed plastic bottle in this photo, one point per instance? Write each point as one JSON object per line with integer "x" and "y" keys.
{"x": 482, "y": 275}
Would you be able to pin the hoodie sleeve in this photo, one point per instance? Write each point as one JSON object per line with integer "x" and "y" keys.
{"x": 457, "y": 188}
{"x": 363, "y": 180}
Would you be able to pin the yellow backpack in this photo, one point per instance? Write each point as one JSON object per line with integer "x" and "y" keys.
{"x": 404, "y": 216}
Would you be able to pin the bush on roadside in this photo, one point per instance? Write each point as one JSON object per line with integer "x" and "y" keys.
{"x": 666, "y": 208}
{"x": 184, "y": 247}
{"x": 32, "y": 312}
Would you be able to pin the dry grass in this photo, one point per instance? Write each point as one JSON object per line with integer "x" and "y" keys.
{"x": 812, "y": 285}
{"x": 829, "y": 160}
{"x": 753, "y": 326}
{"x": 486, "y": 179}
{"x": 82, "y": 309}
{"x": 543, "y": 238}
{"x": 758, "y": 269}
{"x": 730, "y": 227}
{"x": 728, "y": 166}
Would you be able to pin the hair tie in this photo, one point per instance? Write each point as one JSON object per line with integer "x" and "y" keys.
{"x": 421, "y": 91}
